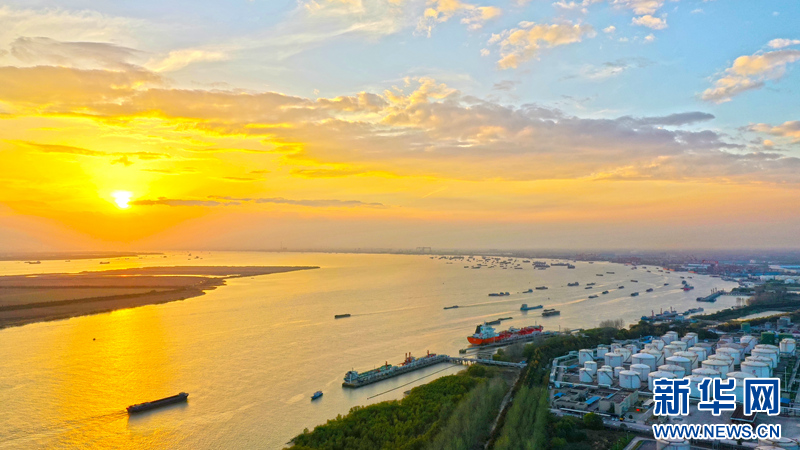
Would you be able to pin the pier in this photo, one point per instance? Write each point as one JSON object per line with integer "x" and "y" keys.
{"x": 711, "y": 298}
{"x": 425, "y": 362}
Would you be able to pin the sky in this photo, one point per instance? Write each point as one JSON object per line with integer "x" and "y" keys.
{"x": 258, "y": 124}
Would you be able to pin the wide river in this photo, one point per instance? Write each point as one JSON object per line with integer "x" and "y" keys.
{"x": 252, "y": 352}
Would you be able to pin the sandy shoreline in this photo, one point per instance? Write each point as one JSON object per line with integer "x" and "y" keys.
{"x": 26, "y": 299}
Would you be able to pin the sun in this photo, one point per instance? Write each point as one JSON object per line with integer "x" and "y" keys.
{"x": 121, "y": 198}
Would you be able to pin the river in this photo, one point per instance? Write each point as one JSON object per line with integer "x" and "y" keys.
{"x": 252, "y": 352}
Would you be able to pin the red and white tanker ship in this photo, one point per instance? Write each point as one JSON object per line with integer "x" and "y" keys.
{"x": 485, "y": 334}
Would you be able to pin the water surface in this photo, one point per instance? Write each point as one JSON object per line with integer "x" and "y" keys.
{"x": 251, "y": 353}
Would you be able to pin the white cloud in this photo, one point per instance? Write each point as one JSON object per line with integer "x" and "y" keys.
{"x": 179, "y": 59}
{"x": 750, "y": 72}
{"x": 781, "y": 43}
{"x": 650, "y": 38}
{"x": 440, "y": 11}
{"x": 609, "y": 29}
{"x": 521, "y": 44}
{"x": 655, "y": 23}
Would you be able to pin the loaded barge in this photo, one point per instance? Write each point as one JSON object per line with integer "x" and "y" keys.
{"x": 354, "y": 379}
{"x": 147, "y": 406}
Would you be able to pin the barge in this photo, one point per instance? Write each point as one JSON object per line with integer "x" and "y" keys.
{"x": 147, "y": 406}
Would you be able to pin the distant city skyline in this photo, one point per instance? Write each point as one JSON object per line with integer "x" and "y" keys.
{"x": 327, "y": 124}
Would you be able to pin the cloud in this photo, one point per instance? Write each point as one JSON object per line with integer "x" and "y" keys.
{"x": 790, "y": 129}
{"x": 505, "y": 85}
{"x": 609, "y": 29}
{"x": 781, "y": 43}
{"x": 63, "y": 25}
{"x": 674, "y": 120}
{"x": 612, "y": 68}
{"x": 655, "y": 23}
{"x": 163, "y": 201}
{"x": 119, "y": 157}
{"x": 422, "y": 129}
{"x": 440, "y": 11}
{"x": 750, "y": 72}
{"x": 325, "y": 203}
{"x": 650, "y": 38}
{"x": 639, "y": 7}
{"x": 178, "y": 59}
{"x": 42, "y": 50}
{"x": 521, "y": 44}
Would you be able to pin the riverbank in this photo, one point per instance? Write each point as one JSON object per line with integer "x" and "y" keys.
{"x": 26, "y": 299}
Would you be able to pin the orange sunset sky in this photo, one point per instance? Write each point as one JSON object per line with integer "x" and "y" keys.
{"x": 333, "y": 124}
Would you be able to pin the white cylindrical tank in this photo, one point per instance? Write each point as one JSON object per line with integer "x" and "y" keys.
{"x": 724, "y": 358}
{"x": 650, "y": 346}
{"x": 725, "y": 340}
{"x": 691, "y": 356}
{"x": 672, "y": 334}
{"x": 682, "y": 344}
{"x": 590, "y": 367}
{"x": 731, "y": 353}
{"x": 759, "y": 369}
{"x": 617, "y": 370}
{"x": 614, "y": 347}
{"x": 585, "y": 354}
{"x": 766, "y": 346}
{"x": 782, "y": 443}
{"x": 607, "y": 367}
{"x": 749, "y": 341}
{"x": 671, "y": 349}
{"x": 694, "y": 337}
{"x": 702, "y": 352}
{"x": 659, "y": 343}
{"x": 672, "y": 444}
{"x": 667, "y": 339}
{"x": 715, "y": 364}
{"x": 652, "y": 376}
{"x": 626, "y": 354}
{"x": 762, "y": 358}
{"x": 601, "y": 351}
{"x": 629, "y": 379}
{"x": 772, "y": 354}
{"x": 738, "y": 391}
{"x": 680, "y": 361}
{"x": 642, "y": 370}
{"x": 644, "y": 358}
{"x": 679, "y": 371}
{"x": 605, "y": 376}
{"x": 633, "y": 348}
{"x": 657, "y": 354}
{"x": 694, "y": 383}
{"x": 585, "y": 376}
{"x": 788, "y": 346}
{"x": 613, "y": 359}
{"x": 706, "y": 373}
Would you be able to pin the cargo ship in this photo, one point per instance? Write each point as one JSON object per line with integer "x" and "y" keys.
{"x": 525, "y": 307}
{"x": 573, "y": 284}
{"x": 341, "y": 316}
{"x": 498, "y": 294}
{"x": 550, "y": 312}
{"x": 451, "y": 307}
{"x": 485, "y": 334}
{"x": 541, "y": 288}
{"x": 147, "y": 406}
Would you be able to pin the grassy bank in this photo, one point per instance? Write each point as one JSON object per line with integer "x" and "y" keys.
{"x": 453, "y": 412}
